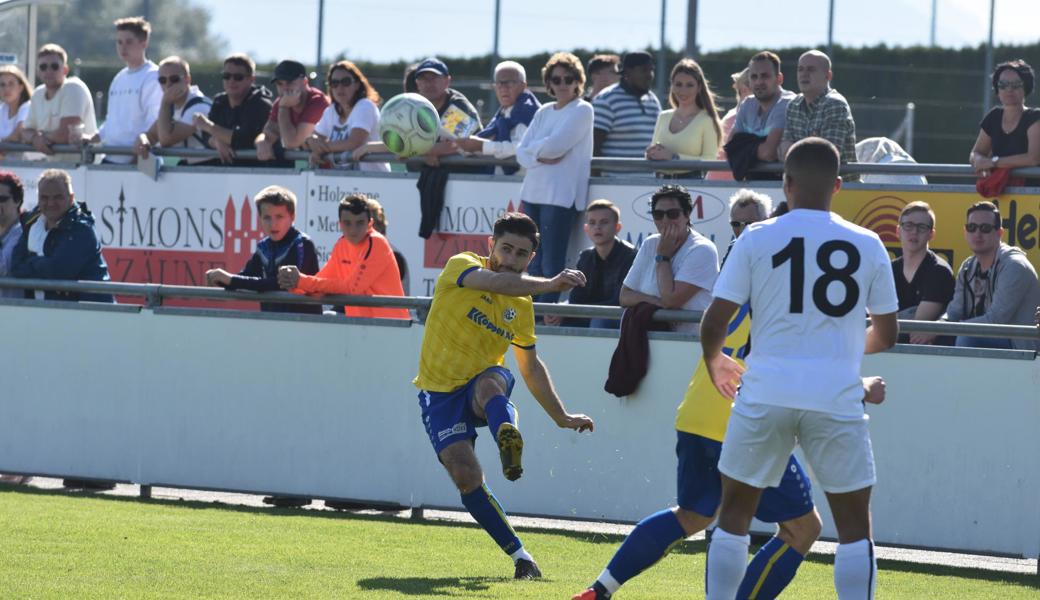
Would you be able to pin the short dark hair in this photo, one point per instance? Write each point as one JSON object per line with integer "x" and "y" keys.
{"x": 770, "y": 56}
{"x": 603, "y": 61}
{"x": 677, "y": 192}
{"x": 1025, "y": 73}
{"x": 355, "y": 204}
{"x": 813, "y": 164}
{"x": 242, "y": 60}
{"x": 17, "y": 189}
{"x": 276, "y": 195}
{"x": 136, "y": 25}
{"x": 517, "y": 224}
{"x": 986, "y": 206}
{"x": 604, "y": 204}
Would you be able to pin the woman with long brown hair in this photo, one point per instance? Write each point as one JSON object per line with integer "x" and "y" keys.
{"x": 349, "y": 122}
{"x": 691, "y": 130}
{"x": 14, "y": 94}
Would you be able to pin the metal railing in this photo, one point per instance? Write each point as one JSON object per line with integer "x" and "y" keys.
{"x": 155, "y": 294}
{"x": 88, "y": 153}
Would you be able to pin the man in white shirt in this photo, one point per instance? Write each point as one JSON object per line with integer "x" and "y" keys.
{"x": 810, "y": 277}
{"x": 134, "y": 94}
{"x": 59, "y": 107}
{"x": 677, "y": 268}
{"x": 180, "y": 102}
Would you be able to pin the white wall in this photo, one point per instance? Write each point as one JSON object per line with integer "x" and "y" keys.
{"x": 327, "y": 409}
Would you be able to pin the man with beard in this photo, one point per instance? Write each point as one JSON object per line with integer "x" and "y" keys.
{"x": 626, "y": 112}
{"x": 481, "y": 306}
{"x": 764, "y": 113}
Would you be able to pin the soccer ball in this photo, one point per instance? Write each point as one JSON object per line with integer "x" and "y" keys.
{"x": 408, "y": 125}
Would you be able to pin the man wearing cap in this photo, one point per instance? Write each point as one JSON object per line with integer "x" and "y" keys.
{"x": 517, "y": 106}
{"x": 626, "y": 112}
{"x": 295, "y": 113}
{"x": 459, "y": 118}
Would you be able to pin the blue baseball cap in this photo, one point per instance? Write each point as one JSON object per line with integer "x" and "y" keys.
{"x": 432, "y": 64}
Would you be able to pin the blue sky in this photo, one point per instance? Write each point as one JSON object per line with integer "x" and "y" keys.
{"x": 384, "y": 30}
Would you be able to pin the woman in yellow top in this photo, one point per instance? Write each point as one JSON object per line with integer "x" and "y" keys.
{"x": 691, "y": 129}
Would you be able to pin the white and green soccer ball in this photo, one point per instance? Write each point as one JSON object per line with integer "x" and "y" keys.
{"x": 408, "y": 125}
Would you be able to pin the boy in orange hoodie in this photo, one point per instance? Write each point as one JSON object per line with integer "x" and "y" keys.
{"x": 362, "y": 264}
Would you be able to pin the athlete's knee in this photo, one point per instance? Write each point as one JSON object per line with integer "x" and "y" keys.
{"x": 466, "y": 477}
{"x": 692, "y": 522}
{"x": 802, "y": 532}
{"x": 489, "y": 385}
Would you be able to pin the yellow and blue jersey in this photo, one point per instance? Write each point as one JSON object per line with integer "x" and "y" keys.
{"x": 704, "y": 411}
{"x": 469, "y": 330}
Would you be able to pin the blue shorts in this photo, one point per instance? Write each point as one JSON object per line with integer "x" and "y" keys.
{"x": 448, "y": 416}
{"x": 700, "y": 485}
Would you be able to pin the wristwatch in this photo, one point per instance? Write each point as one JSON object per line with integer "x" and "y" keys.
{"x": 660, "y": 258}
{"x": 994, "y": 160}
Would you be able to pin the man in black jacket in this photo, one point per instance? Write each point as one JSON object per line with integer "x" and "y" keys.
{"x": 238, "y": 114}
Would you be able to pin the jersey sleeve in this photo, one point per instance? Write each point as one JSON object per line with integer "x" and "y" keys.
{"x": 457, "y": 268}
{"x": 881, "y": 297}
{"x": 734, "y": 282}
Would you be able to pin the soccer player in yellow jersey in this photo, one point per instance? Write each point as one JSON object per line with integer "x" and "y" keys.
{"x": 481, "y": 307}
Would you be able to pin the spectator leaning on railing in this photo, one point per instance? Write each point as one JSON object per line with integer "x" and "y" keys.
{"x": 996, "y": 284}
{"x": 627, "y": 111}
{"x": 924, "y": 281}
{"x": 58, "y": 240}
{"x": 14, "y": 109}
{"x": 761, "y": 118}
{"x": 238, "y": 114}
{"x": 742, "y": 88}
{"x": 557, "y": 153}
{"x": 134, "y": 95}
{"x": 11, "y": 195}
{"x": 62, "y": 110}
{"x": 1009, "y": 135}
{"x": 691, "y": 129}
{"x": 295, "y": 113}
{"x": 181, "y": 101}
{"x": 349, "y": 122}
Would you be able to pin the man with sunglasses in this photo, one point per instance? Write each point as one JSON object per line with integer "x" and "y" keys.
{"x": 996, "y": 284}
{"x": 677, "y": 267}
{"x": 924, "y": 281}
{"x": 181, "y": 101}
{"x": 294, "y": 114}
{"x": 134, "y": 95}
{"x": 59, "y": 106}
{"x": 238, "y": 114}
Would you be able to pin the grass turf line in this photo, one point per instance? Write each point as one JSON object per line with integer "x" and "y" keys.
{"x": 57, "y": 545}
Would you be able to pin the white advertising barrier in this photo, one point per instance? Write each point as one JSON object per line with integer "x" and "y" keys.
{"x": 326, "y": 408}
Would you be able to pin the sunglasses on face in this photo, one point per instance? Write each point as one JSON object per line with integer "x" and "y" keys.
{"x": 918, "y": 227}
{"x": 739, "y": 224}
{"x": 344, "y": 81}
{"x": 172, "y": 79}
{"x": 980, "y": 227}
{"x": 1009, "y": 85}
{"x": 235, "y": 76}
{"x": 566, "y": 79}
{"x": 671, "y": 213}
{"x": 4, "y": 198}
{"x": 52, "y": 66}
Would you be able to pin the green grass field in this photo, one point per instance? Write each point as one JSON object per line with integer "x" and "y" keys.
{"x": 56, "y": 545}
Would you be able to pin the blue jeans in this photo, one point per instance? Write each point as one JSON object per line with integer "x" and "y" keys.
{"x": 554, "y": 225}
{"x": 967, "y": 341}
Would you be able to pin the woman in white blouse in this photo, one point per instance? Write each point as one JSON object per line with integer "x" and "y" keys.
{"x": 556, "y": 151}
{"x": 691, "y": 130}
{"x": 14, "y": 93}
{"x": 349, "y": 122}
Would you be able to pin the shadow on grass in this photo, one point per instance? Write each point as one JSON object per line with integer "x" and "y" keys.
{"x": 430, "y": 586}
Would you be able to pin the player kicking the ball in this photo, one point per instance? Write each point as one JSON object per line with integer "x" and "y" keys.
{"x": 810, "y": 277}
{"x": 481, "y": 306}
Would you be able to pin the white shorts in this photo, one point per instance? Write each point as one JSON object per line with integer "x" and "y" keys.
{"x": 760, "y": 439}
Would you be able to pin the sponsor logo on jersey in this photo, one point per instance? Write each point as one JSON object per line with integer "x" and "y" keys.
{"x": 482, "y": 320}
{"x": 509, "y": 314}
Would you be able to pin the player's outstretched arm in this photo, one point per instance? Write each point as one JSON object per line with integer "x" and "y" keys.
{"x": 873, "y": 389}
{"x": 519, "y": 284}
{"x": 724, "y": 371}
{"x": 536, "y": 376}
{"x": 882, "y": 333}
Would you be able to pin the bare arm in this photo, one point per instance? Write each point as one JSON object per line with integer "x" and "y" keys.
{"x": 536, "y": 376}
{"x": 292, "y": 136}
{"x": 673, "y": 293}
{"x": 981, "y": 151}
{"x": 767, "y": 150}
{"x": 882, "y": 333}
{"x": 517, "y": 284}
{"x": 723, "y": 370}
{"x": 629, "y": 297}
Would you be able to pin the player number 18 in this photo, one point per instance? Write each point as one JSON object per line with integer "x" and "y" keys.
{"x": 795, "y": 252}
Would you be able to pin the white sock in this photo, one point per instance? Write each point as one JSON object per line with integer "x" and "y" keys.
{"x": 521, "y": 554}
{"x": 607, "y": 581}
{"x": 855, "y": 570}
{"x": 727, "y": 561}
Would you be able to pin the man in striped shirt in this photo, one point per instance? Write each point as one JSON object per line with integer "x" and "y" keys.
{"x": 626, "y": 112}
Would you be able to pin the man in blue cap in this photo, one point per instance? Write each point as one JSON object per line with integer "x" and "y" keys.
{"x": 459, "y": 119}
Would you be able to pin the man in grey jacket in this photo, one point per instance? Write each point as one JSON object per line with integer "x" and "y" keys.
{"x": 996, "y": 285}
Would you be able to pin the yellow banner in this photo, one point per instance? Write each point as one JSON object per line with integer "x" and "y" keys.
{"x": 879, "y": 210}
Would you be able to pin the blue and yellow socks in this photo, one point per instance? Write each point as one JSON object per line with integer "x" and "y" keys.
{"x": 484, "y": 507}
{"x": 649, "y": 542}
{"x": 769, "y": 572}
{"x": 499, "y": 410}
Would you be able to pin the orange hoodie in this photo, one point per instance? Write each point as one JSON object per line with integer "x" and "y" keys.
{"x": 365, "y": 269}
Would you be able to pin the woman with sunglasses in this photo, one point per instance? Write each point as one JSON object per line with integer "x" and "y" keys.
{"x": 556, "y": 151}
{"x": 1009, "y": 135}
{"x": 349, "y": 122}
{"x": 691, "y": 130}
{"x": 14, "y": 92}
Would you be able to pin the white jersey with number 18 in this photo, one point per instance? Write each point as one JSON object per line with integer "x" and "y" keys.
{"x": 811, "y": 278}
